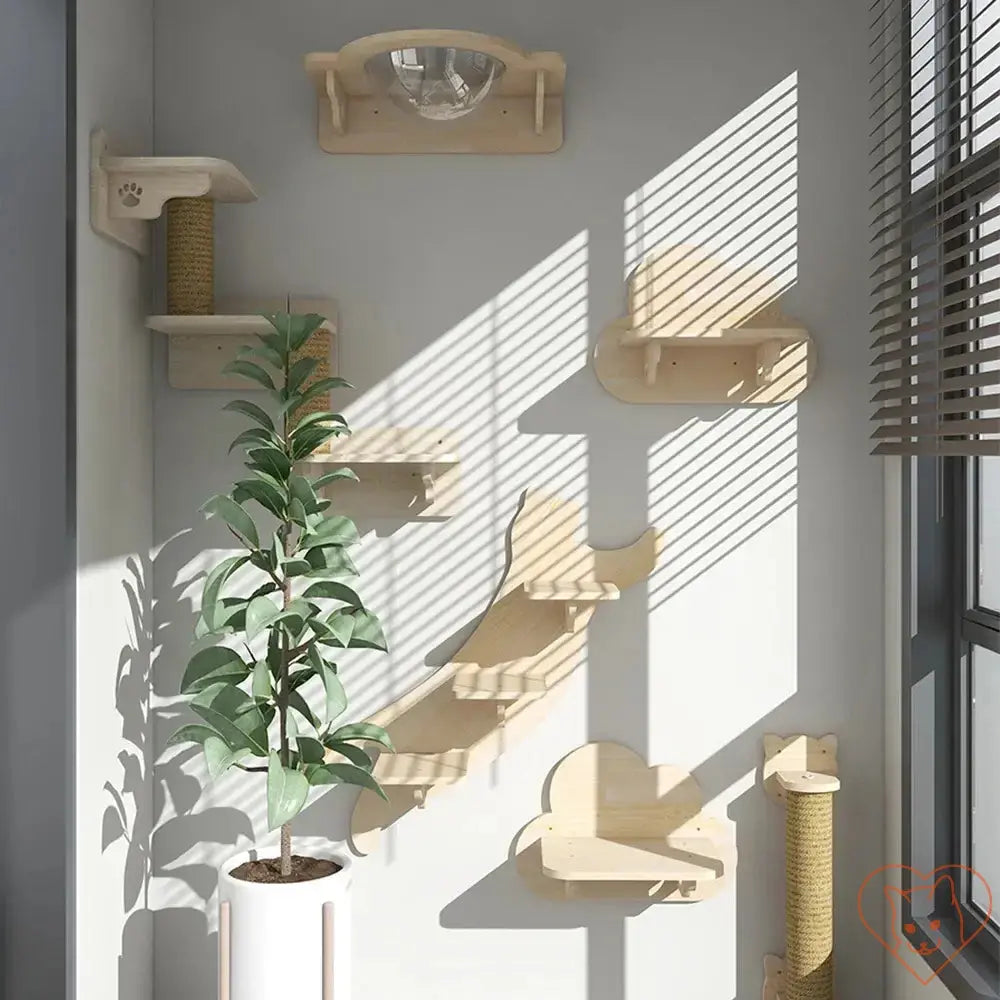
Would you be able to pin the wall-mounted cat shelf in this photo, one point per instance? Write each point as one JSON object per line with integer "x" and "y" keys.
{"x": 415, "y": 471}
{"x": 523, "y": 112}
{"x": 701, "y": 331}
{"x": 200, "y": 346}
{"x": 617, "y": 829}
{"x": 503, "y": 678}
{"x": 126, "y": 192}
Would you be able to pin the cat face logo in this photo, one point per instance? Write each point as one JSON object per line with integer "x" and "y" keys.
{"x": 924, "y": 953}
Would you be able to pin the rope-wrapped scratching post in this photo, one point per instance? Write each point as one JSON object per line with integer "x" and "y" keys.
{"x": 190, "y": 256}
{"x": 318, "y": 347}
{"x": 809, "y": 896}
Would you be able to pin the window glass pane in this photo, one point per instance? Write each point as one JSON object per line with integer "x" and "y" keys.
{"x": 985, "y": 782}
{"x": 923, "y": 94}
{"x": 985, "y": 31}
{"x": 989, "y": 467}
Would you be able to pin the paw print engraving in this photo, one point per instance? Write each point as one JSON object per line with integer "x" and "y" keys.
{"x": 130, "y": 194}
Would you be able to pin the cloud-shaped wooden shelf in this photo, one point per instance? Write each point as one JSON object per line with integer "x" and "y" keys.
{"x": 702, "y": 331}
{"x": 412, "y": 471}
{"x": 501, "y": 681}
{"x": 618, "y": 829}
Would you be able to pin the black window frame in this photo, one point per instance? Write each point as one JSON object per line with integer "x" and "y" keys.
{"x": 942, "y": 620}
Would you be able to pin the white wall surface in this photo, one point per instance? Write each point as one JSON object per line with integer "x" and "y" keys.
{"x": 470, "y": 290}
{"x": 114, "y": 525}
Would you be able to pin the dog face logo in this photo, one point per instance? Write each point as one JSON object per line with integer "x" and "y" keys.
{"x": 922, "y": 949}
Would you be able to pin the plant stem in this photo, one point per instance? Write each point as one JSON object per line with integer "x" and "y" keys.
{"x": 284, "y": 692}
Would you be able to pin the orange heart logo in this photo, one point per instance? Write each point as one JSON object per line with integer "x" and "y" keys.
{"x": 917, "y": 950}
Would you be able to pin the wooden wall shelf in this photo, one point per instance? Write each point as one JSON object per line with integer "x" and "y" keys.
{"x": 199, "y": 347}
{"x": 503, "y": 678}
{"x": 411, "y": 471}
{"x": 523, "y": 114}
{"x": 126, "y": 192}
{"x": 617, "y": 829}
{"x": 701, "y": 331}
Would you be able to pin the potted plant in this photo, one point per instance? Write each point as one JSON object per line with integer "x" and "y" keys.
{"x": 260, "y": 649}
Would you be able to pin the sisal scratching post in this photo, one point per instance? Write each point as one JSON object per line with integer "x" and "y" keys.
{"x": 808, "y": 895}
{"x": 318, "y": 346}
{"x": 190, "y": 257}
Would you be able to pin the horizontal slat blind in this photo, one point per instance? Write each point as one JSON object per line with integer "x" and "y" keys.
{"x": 935, "y": 220}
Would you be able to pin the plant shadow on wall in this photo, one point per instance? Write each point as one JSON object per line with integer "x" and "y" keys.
{"x": 145, "y": 784}
{"x": 721, "y": 485}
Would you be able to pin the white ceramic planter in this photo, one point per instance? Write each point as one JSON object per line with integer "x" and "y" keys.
{"x": 287, "y": 942}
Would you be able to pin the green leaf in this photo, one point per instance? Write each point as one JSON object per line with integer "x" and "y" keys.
{"x": 297, "y": 513}
{"x": 219, "y": 757}
{"x": 333, "y": 590}
{"x": 361, "y": 731}
{"x": 323, "y": 385}
{"x": 264, "y": 493}
{"x": 247, "y": 369}
{"x": 264, "y": 350}
{"x": 261, "y": 687}
{"x": 338, "y": 530}
{"x": 332, "y": 477}
{"x": 235, "y": 516}
{"x": 272, "y": 461}
{"x": 331, "y": 562}
{"x": 367, "y": 632}
{"x": 296, "y": 701}
{"x": 298, "y": 373}
{"x": 252, "y": 410}
{"x": 191, "y": 733}
{"x": 215, "y": 581}
{"x": 287, "y": 791}
{"x": 254, "y": 738}
{"x": 212, "y": 665}
{"x": 311, "y": 751}
{"x": 261, "y": 612}
{"x": 304, "y": 444}
{"x": 255, "y": 437}
{"x": 296, "y": 567}
{"x": 320, "y": 417}
{"x": 354, "y": 754}
{"x": 336, "y": 696}
{"x": 298, "y": 677}
{"x": 343, "y": 774}
{"x": 301, "y": 489}
{"x": 341, "y": 626}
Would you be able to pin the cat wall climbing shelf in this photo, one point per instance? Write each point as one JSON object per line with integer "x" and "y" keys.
{"x": 126, "y": 192}
{"x": 199, "y": 346}
{"x": 700, "y": 330}
{"x": 502, "y": 680}
{"x": 412, "y": 471}
{"x": 523, "y": 113}
{"x": 618, "y": 829}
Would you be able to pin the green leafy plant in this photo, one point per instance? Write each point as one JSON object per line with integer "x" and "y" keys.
{"x": 297, "y": 611}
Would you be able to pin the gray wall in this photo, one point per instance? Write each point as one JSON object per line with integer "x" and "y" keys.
{"x": 470, "y": 290}
{"x": 36, "y": 591}
{"x": 114, "y": 512}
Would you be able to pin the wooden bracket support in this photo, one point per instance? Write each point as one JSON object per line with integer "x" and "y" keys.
{"x": 651, "y": 362}
{"x": 573, "y": 613}
{"x": 774, "y": 977}
{"x": 768, "y": 354}
{"x": 338, "y": 104}
{"x": 420, "y": 795}
{"x": 427, "y": 486}
{"x": 539, "y": 102}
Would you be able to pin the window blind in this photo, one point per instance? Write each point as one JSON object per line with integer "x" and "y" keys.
{"x": 935, "y": 204}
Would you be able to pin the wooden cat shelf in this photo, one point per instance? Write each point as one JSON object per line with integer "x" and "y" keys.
{"x": 523, "y": 113}
{"x": 412, "y": 471}
{"x": 126, "y": 192}
{"x": 699, "y": 330}
{"x": 200, "y": 346}
{"x": 501, "y": 681}
{"x": 617, "y": 829}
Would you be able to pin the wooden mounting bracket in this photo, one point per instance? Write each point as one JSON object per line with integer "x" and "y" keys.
{"x": 800, "y": 764}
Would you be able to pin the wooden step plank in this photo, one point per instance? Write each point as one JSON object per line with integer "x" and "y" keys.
{"x": 594, "y": 859}
{"x": 421, "y": 769}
